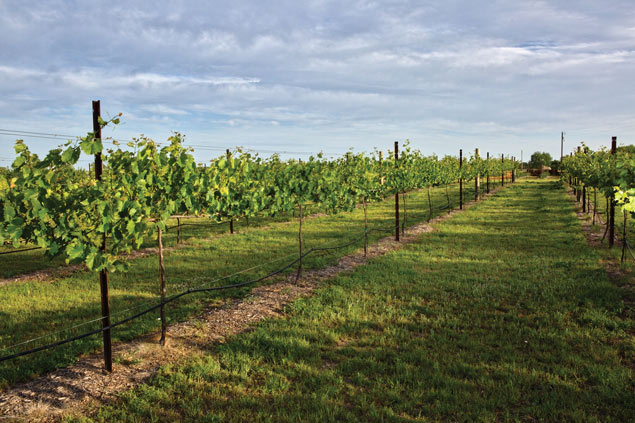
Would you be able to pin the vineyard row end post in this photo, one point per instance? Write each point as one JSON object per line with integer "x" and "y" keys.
{"x": 103, "y": 274}
{"x": 612, "y": 200}
{"x": 397, "y": 194}
{"x": 488, "y": 172}
{"x": 460, "y": 179}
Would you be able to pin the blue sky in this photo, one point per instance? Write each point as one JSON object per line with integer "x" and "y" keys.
{"x": 504, "y": 76}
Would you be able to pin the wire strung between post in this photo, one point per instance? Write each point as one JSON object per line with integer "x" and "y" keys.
{"x": 176, "y": 297}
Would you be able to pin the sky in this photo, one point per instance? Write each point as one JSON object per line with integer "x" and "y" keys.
{"x": 303, "y": 77}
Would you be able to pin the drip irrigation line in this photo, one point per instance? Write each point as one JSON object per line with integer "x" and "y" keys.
{"x": 174, "y": 298}
{"x": 386, "y": 229}
{"x": 28, "y": 341}
{"x": 136, "y": 307}
{"x": 244, "y": 270}
{"x": 210, "y": 223}
{"x": 20, "y": 251}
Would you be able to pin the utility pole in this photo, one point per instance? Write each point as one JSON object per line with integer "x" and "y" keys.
{"x": 561, "y": 145}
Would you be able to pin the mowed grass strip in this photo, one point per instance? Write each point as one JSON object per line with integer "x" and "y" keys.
{"x": 504, "y": 314}
{"x": 35, "y": 309}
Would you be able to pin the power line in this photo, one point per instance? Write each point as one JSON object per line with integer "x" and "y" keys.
{"x": 36, "y": 133}
{"x": 64, "y": 137}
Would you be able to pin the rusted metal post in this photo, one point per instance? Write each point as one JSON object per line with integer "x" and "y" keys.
{"x": 612, "y": 200}
{"x": 513, "y": 169}
{"x": 460, "y": 179}
{"x": 578, "y": 192}
{"x": 103, "y": 274}
{"x": 231, "y": 221}
{"x": 164, "y": 326}
{"x": 300, "y": 245}
{"x": 397, "y": 195}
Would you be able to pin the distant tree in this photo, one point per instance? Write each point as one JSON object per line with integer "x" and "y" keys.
{"x": 555, "y": 165}
{"x": 627, "y": 148}
{"x": 539, "y": 159}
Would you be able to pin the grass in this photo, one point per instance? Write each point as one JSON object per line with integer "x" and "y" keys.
{"x": 45, "y": 309}
{"x": 503, "y": 314}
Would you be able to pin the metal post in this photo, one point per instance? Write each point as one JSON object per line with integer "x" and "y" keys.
{"x": 231, "y": 221}
{"x": 460, "y": 179}
{"x": 612, "y": 200}
{"x": 488, "y": 172}
{"x": 477, "y": 179}
{"x": 164, "y": 325}
{"x": 397, "y": 195}
{"x": 299, "y": 274}
{"x": 103, "y": 274}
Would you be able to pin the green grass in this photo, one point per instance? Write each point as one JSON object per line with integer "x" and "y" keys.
{"x": 504, "y": 314}
{"x": 34, "y": 309}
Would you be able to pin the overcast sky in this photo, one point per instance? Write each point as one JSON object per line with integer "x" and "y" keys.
{"x": 304, "y": 76}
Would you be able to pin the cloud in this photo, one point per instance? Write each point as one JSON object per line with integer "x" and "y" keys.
{"x": 312, "y": 73}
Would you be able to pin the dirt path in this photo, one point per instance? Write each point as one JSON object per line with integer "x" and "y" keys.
{"x": 50, "y": 397}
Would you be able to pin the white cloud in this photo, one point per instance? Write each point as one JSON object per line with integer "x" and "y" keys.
{"x": 442, "y": 74}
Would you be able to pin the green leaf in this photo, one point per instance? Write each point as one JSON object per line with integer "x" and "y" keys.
{"x": 70, "y": 155}
{"x": 19, "y": 161}
{"x": 91, "y": 145}
{"x": 19, "y": 146}
{"x": 75, "y": 251}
